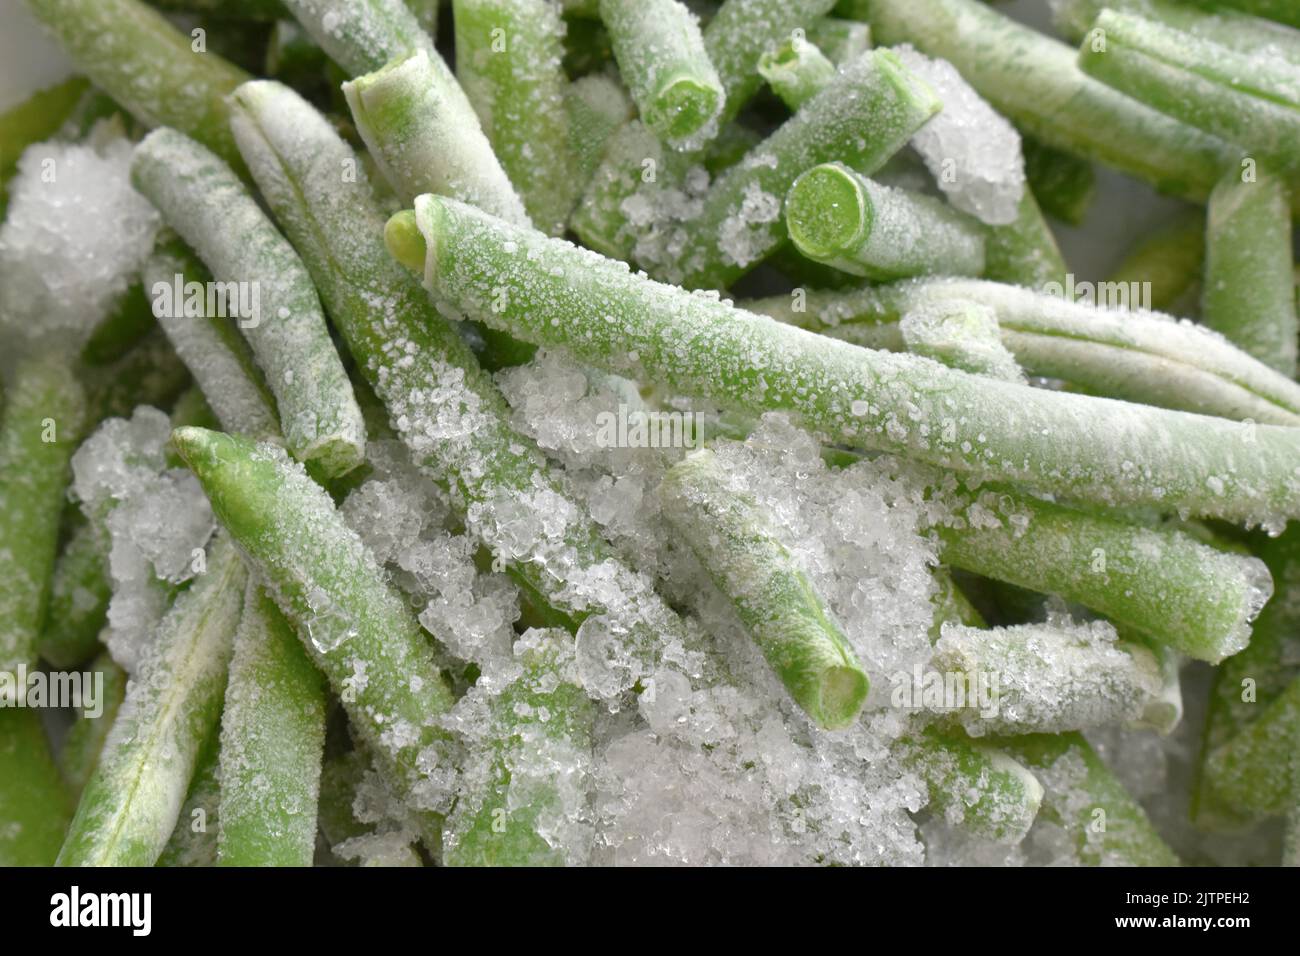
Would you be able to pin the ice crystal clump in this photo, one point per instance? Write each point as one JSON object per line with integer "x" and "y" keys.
{"x": 157, "y": 521}
{"x": 525, "y": 763}
{"x": 715, "y": 764}
{"x": 972, "y": 152}
{"x": 74, "y": 237}
{"x": 401, "y": 516}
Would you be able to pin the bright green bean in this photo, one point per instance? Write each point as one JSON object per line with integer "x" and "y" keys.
{"x": 133, "y": 53}
{"x": 552, "y": 293}
{"x": 272, "y": 735}
{"x": 773, "y": 598}
{"x": 508, "y": 56}
{"x": 131, "y": 804}
{"x": 211, "y": 209}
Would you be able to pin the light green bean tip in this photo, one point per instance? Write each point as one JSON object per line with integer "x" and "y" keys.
{"x": 405, "y": 241}
{"x": 199, "y": 448}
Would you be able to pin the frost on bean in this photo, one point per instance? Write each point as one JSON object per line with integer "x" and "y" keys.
{"x": 1049, "y": 678}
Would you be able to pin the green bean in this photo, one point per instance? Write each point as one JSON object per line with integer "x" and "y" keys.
{"x": 796, "y": 70}
{"x": 862, "y": 118}
{"x": 733, "y": 540}
{"x": 1108, "y": 827}
{"x": 363, "y": 35}
{"x": 131, "y": 804}
{"x": 1161, "y": 582}
{"x": 842, "y": 219}
{"x": 330, "y": 588}
{"x": 539, "y": 726}
{"x": 1033, "y": 80}
{"x": 272, "y": 735}
{"x": 135, "y": 55}
{"x": 551, "y": 293}
{"x": 34, "y": 804}
{"x": 975, "y": 786}
{"x": 741, "y": 31}
{"x": 508, "y": 56}
{"x": 661, "y": 56}
{"x": 1134, "y": 355}
{"x": 735, "y": 39}
{"x": 1249, "y": 273}
{"x": 1047, "y": 678}
{"x": 41, "y": 422}
{"x": 425, "y": 137}
{"x": 460, "y": 433}
{"x": 208, "y": 344}
{"x": 1243, "y": 99}
{"x": 1220, "y": 24}
{"x": 210, "y": 208}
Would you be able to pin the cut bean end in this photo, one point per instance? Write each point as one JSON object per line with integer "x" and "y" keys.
{"x": 828, "y": 212}
{"x": 683, "y": 107}
{"x": 842, "y": 692}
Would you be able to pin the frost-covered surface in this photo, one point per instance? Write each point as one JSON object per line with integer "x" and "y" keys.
{"x": 1050, "y": 678}
{"x": 725, "y": 768}
{"x": 214, "y": 212}
{"x": 1107, "y": 452}
{"x": 962, "y": 334}
{"x": 157, "y": 520}
{"x": 74, "y": 237}
{"x": 971, "y": 150}
{"x": 534, "y": 667}
{"x": 364, "y": 36}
